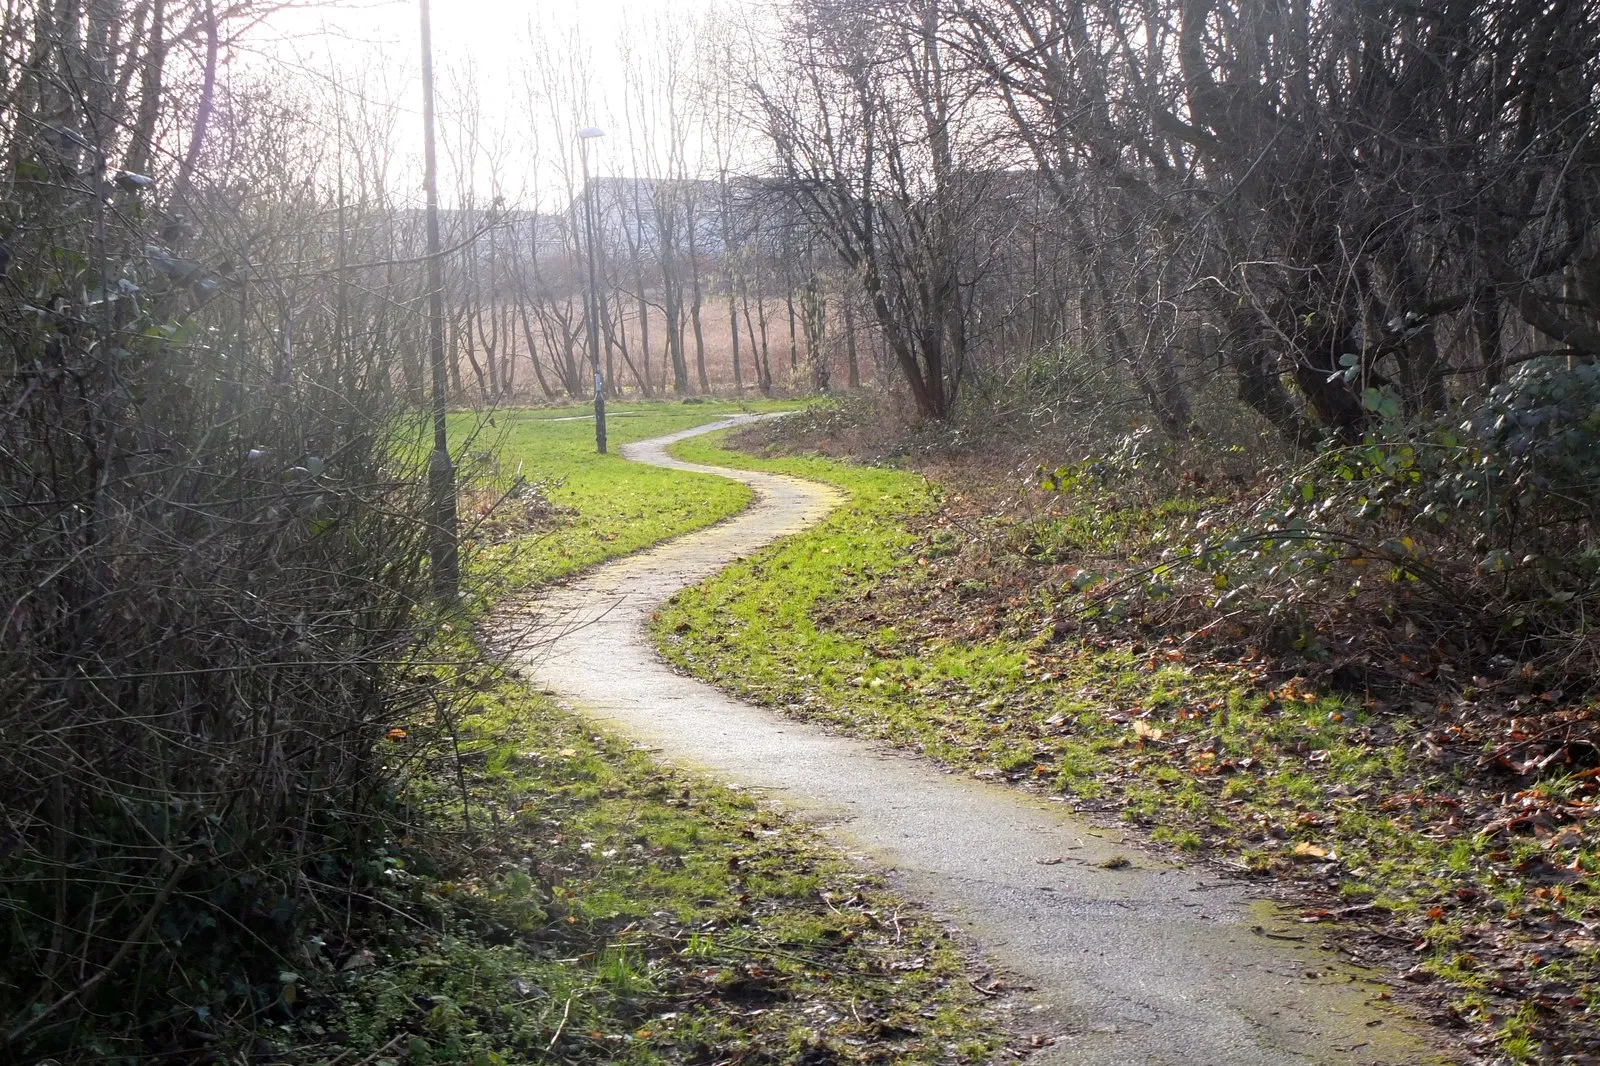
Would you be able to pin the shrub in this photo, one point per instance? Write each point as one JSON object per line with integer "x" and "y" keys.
{"x": 212, "y": 577}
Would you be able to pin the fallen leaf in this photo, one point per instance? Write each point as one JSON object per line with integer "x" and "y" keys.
{"x": 1146, "y": 731}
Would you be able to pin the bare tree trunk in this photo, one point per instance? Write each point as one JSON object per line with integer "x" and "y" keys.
{"x": 672, "y": 299}
{"x": 533, "y": 350}
{"x": 766, "y": 352}
{"x": 814, "y": 327}
{"x": 726, "y": 220}
{"x": 848, "y": 306}
{"x": 508, "y": 367}
{"x": 794, "y": 344}
{"x": 733, "y": 332}
{"x": 696, "y": 299}
{"x": 634, "y": 241}
{"x": 763, "y": 378}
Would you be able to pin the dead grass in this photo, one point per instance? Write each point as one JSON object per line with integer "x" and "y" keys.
{"x": 791, "y": 374}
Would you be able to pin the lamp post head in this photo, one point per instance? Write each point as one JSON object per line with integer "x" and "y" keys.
{"x": 589, "y": 133}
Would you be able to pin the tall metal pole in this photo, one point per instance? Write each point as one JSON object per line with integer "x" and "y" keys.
{"x": 441, "y": 475}
{"x": 591, "y": 305}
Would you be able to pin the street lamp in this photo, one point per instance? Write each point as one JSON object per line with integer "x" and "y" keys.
{"x": 592, "y": 306}
{"x": 442, "y": 548}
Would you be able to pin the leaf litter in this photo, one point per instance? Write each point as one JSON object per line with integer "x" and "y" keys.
{"x": 1436, "y": 822}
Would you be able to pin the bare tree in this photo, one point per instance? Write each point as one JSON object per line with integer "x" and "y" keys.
{"x": 1349, "y": 201}
{"x": 879, "y": 149}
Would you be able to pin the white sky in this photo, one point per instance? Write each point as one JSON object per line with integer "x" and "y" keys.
{"x": 483, "y": 43}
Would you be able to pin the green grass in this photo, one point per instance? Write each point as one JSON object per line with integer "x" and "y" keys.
{"x": 598, "y": 907}
{"x": 759, "y": 617}
{"x": 792, "y": 627}
{"x": 850, "y": 623}
{"x": 609, "y": 506}
{"x": 532, "y": 889}
{"x": 609, "y": 910}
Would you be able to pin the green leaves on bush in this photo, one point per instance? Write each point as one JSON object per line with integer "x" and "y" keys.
{"x": 1484, "y": 515}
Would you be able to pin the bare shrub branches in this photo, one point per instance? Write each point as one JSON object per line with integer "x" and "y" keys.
{"x": 212, "y": 528}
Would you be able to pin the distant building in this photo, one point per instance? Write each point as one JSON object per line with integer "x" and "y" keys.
{"x": 637, "y": 213}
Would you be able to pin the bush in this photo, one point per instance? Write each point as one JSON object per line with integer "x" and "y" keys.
{"x": 1475, "y": 532}
{"x": 1539, "y": 435}
{"x": 212, "y": 572}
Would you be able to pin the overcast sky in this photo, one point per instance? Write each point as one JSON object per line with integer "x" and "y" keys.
{"x": 489, "y": 38}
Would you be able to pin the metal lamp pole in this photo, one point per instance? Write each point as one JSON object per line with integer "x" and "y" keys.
{"x": 442, "y": 549}
{"x": 592, "y": 304}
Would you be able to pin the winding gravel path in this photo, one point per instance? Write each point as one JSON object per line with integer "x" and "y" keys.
{"x": 1152, "y": 963}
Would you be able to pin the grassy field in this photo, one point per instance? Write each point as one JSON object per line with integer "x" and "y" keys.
{"x": 563, "y": 898}
{"x": 581, "y": 508}
{"x": 862, "y": 623}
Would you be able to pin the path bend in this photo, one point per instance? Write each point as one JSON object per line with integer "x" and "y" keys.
{"x": 1153, "y": 964}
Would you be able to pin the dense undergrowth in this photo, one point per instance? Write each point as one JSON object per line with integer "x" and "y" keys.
{"x": 211, "y": 562}
{"x": 1437, "y": 819}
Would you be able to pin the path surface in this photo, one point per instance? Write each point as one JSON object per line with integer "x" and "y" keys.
{"x": 1144, "y": 965}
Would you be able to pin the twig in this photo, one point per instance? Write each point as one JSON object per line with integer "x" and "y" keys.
{"x": 1261, "y": 931}
{"x": 139, "y": 933}
{"x": 564, "y": 1012}
{"x": 363, "y": 1062}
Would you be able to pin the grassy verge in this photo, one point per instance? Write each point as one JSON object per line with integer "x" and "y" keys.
{"x": 762, "y": 627}
{"x": 871, "y": 623}
{"x": 568, "y": 900}
{"x": 557, "y": 896}
{"x": 577, "y": 508}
